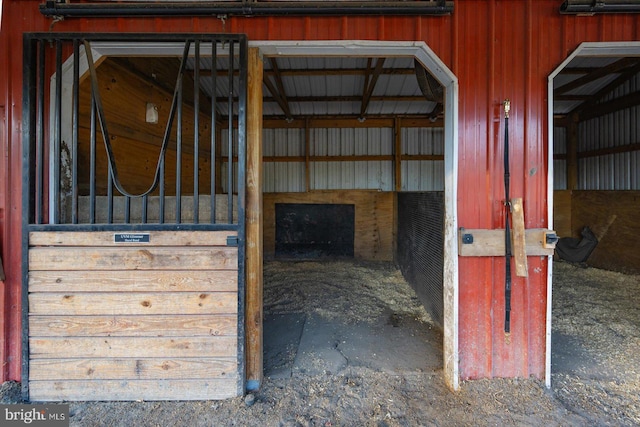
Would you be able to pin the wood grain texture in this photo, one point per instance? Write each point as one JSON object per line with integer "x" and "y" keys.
{"x": 612, "y": 215}
{"x": 519, "y": 239}
{"x": 373, "y": 219}
{"x": 137, "y": 347}
{"x": 134, "y": 281}
{"x": 191, "y": 389}
{"x": 254, "y": 222}
{"x": 562, "y": 213}
{"x": 132, "y": 368}
{"x": 106, "y": 238}
{"x": 133, "y": 326}
{"x": 491, "y": 243}
{"x": 97, "y": 303}
{"x": 133, "y": 258}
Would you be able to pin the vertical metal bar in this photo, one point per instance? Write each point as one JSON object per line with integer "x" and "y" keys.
{"x": 214, "y": 76}
{"x": 145, "y": 206}
{"x": 109, "y": 196}
{"x": 230, "y": 138}
{"x": 179, "y": 156}
{"x": 161, "y": 193}
{"x": 39, "y": 165}
{"x": 196, "y": 131}
{"x": 242, "y": 150}
{"x": 57, "y": 137}
{"x": 29, "y": 91}
{"x": 75, "y": 124}
{"x": 127, "y": 209}
{"x": 92, "y": 164}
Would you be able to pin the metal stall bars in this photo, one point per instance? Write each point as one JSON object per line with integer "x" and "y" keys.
{"x": 81, "y": 155}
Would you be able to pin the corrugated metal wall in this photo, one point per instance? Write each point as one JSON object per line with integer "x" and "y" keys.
{"x": 283, "y": 176}
{"x": 560, "y": 164}
{"x": 498, "y": 49}
{"x": 423, "y": 175}
{"x": 366, "y": 175}
{"x": 615, "y": 171}
{"x": 289, "y": 176}
{"x": 618, "y": 171}
{"x": 421, "y": 248}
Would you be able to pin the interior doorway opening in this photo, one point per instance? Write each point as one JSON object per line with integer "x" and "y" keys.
{"x": 593, "y": 158}
{"x": 356, "y": 143}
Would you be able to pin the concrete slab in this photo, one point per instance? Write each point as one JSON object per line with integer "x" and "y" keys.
{"x": 393, "y": 344}
{"x": 282, "y": 333}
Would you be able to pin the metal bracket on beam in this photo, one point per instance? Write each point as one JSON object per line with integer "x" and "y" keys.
{"x": 232, "y": 240}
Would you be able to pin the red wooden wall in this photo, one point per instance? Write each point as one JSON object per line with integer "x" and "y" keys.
{"x": 497, "y": 49}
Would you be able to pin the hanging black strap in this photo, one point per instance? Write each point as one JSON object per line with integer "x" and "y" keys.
{"x": 507, "y": 229}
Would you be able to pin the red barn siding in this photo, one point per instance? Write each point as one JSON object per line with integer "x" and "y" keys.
{"x": 497, "y": 49}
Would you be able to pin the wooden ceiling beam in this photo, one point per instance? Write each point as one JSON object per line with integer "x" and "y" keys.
{"x": 592, "y": 103}
{"x": 275, "y": 93}
{"x": 617, "y": 104}
{"x": 370, "y": 83}
{"x": 281, "y": 93}
{"x": 323, "y": 72}
{"x": 337, "y": 122}
{"x": 298, "y": 99}
{"x": 597, "y": 73}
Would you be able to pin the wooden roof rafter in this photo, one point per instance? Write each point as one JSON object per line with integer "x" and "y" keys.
{"x": 278, "y": 91}
{"x": 370, "y": 80}
{"x": 315, "y": 72}
{"x": 598, "y": 73}
{"x": 337, "y": 98}
{"x": 594, "y": 107}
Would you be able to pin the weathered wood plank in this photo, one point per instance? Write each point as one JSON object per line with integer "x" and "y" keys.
{"x": 106, "y": 238}
{"x": 134, "y": 281}
{"x": 133, "y": 326}
{"x": 140, "y": 347}
{"x": 491, "y": 243}
{"x": 127, "y": 369}
{"x": 91, "y": 390}
{"x": 562, "y": 213}
{"x": 519, "y": 242}
{"x": 97, "y": 303}
{"x": 125, "y": 258}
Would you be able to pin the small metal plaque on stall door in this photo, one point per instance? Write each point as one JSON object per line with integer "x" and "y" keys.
{"x": 131, "y": 238}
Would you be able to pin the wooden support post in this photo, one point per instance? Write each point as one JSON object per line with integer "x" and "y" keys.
{"x": 253, "y": 308}
{"x": 519, "y": 241}
{"x": 572, "y": 152}
{"x": 397, "y": 153}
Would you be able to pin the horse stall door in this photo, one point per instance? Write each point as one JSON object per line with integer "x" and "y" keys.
{"x": 134, "y": 277}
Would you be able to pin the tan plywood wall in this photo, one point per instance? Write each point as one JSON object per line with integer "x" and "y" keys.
{"x": 613, "y": 217}
{"x": 374, "y": 219}
{"x": 562, "y": 213}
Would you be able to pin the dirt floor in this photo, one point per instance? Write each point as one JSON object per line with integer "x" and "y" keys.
{"x": 334, "y": 359}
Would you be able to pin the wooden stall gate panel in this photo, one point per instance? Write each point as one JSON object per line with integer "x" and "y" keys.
{"x": 134, "y": 320}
